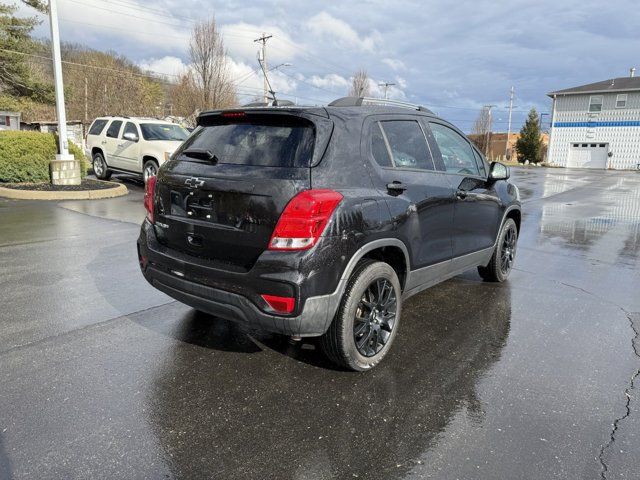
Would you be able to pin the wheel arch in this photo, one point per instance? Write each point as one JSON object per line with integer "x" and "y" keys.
{"x": 516, "y": 215}
{"x": 388, "y": 250}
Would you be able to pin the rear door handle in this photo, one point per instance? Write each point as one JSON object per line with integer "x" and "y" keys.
{"x": 396, "y": 187}
{"x": 461, "y": 194}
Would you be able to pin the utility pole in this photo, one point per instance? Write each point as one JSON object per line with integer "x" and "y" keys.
{"x": 488, "y": 107}
{"x": 65, "y": 170}
{"x": 386, "y": 86}
{"x": 86, "y": 100}
{"x": 262, "y": 58}
{"x": 506, "y": 145}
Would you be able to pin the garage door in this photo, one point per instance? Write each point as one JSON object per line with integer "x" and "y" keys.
{"x": 588, "y": 155}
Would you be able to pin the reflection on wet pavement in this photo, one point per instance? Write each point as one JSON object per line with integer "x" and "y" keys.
{"x": 613, "y": 224}
{"x": 335, "y": 423}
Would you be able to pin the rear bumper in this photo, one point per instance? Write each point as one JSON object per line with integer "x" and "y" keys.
{"x": 234, "y": 295}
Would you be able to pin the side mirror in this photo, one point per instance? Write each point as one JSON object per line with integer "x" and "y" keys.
{"x": 498, "y": 171}
{"x": 132, "y": 137}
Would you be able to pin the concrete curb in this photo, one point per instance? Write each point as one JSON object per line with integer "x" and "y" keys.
{"x": 15, "y": 194}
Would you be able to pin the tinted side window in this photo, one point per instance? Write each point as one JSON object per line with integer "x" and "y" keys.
{"x": 114, "y": 128}
{"x": 379, "y": 147}
{"x": 130, "y": 128}
{"x": 97, "y": 127}
{"x": 457, "y": 154}
{"x": 408, "y": 146}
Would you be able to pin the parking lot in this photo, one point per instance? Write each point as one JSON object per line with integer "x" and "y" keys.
{"x": 103, "y": 376}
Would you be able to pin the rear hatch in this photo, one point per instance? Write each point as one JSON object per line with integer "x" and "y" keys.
{"x": 222, "y": 193}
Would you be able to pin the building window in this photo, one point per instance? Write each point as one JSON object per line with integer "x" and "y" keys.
{"x": 595, "y": 103}
{"x": 4, "y": 120}
{"x": 621, "y": 101}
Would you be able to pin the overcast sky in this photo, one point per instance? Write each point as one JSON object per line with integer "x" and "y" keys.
{"x": 453, "y": 57}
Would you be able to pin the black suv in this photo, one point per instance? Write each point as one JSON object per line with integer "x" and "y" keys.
{"x": 321, "y": 221}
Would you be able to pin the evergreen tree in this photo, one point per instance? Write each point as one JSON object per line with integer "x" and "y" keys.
{"x": 16, "y": 77}
{"x": 529, "y": 145}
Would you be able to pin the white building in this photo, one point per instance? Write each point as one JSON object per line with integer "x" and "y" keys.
{"x": 9, "y": 121}
{"x": 597, "y": 125}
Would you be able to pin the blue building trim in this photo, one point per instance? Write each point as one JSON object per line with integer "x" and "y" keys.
{"x": 622, "y": 123}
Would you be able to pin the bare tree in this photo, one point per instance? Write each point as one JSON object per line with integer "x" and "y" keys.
{"x": 209, "y": 64}
{"x": 186, "y": 98}
{"x": 482, "y": 130}
{"x": 360, "y": 84}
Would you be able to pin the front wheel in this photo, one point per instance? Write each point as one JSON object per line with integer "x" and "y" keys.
{"x": 100, "y": 167}
{"x": 367, "y": 320}
{"x": 504, "y": 255}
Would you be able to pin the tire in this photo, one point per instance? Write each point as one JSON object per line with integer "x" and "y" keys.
{"x": 373, "y": 294}
{"x": 150, "y": 169}
{"x": 100, "y": 167}
{"x": 504, "y": 255}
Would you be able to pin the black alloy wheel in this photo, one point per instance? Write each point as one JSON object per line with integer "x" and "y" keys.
{"x": 375, "y": 317}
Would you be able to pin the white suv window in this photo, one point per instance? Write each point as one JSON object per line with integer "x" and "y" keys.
{"x": 130, "y": 128}
{"x": 97, "y": 127}
{"x": 114, "y": 129}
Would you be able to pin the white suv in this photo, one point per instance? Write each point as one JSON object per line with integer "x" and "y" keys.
{"x": 131, "y": 145}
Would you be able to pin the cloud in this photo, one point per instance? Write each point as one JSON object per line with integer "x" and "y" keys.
{"x": 168, "y": 65}
{"x": 340, "y": 32}
{"x": 330, "y": 81}
{"x": 453, "y": 57}
{"x": 239, "y": 39}
{"x": 394, "y": 63}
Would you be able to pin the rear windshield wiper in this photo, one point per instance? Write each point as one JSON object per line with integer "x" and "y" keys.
{"x": 200, "y": 154}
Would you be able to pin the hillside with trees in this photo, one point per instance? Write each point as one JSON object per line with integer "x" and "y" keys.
{"x": 106, "y": 83}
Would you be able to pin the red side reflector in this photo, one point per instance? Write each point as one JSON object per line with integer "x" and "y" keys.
{"x": 304, "y": 219}
{"x": 233, "y": 114}
{"x": 149, "y": 191}
{"x": 280, "y": 304}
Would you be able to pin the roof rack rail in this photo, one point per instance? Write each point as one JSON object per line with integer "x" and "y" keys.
{"x": 360, "y": 101}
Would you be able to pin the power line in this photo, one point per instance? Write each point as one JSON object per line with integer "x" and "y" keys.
{"x": 111, "y": 10}
{"x": 128, "y": 72}
{"x": 157, "y": 12}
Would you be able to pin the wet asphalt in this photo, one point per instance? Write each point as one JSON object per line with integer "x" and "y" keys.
{"x": 101, "y": 376}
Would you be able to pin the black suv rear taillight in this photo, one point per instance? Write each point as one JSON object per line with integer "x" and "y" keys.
{"x": 149, "y": 193}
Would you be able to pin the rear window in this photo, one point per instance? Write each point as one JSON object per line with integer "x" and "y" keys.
{"x": 259, "y": 142}
{"x": 97, "y": 127}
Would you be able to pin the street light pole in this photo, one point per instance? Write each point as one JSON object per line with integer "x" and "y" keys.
{"x": 65, "y": 170}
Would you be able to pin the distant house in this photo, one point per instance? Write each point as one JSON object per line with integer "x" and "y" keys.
{"x": 597, "y": 125}
{"x": 9, "y": 121}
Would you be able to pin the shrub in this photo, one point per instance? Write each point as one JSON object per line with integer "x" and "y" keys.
{"x": 25, "y": 156}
